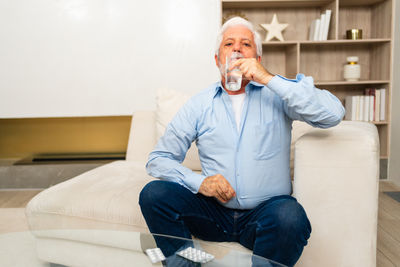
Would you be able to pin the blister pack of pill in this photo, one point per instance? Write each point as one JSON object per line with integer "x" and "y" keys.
{"x": 155, "y": 255}
{"x": 195, "y": 255}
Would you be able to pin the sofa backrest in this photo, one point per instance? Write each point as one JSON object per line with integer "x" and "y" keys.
{"x": 142, "y": 136}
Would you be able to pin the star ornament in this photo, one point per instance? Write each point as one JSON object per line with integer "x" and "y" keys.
{"x": 274, "y": 29}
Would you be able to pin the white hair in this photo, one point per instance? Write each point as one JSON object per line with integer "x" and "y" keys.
{"x": 235, "y": 21}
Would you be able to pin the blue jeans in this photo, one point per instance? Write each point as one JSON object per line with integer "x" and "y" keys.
{"x": 277, "y": 229}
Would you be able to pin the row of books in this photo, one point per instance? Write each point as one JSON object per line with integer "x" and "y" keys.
{"x": 319, "y": 28}
{"x": 368, "y": 107}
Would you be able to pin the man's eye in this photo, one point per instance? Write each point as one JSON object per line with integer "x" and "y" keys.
{"x": 246, "y": 44}
{"x": 228, "y": 44}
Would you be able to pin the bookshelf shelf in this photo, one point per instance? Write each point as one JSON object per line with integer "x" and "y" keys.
{"x": 360, "y": 2}
{"x": 347, "y": 42}
{"x": 278, "y": 43}
{"x": 324, "y": 60}
{"x": 380, "y": 122}
{"x": 328, "y": 42}
{"x": 293, "y": 3}
{"x": 365, "y": 82}
{"x": 273, "y": 3}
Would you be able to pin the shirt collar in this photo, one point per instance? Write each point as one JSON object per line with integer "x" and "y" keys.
{"x": 251, "y": 85}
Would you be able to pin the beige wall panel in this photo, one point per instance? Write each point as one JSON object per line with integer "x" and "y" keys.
{"x": 24, "y": 137}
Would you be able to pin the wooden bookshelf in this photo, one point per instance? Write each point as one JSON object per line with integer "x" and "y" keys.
{"x": 324, "y": 60}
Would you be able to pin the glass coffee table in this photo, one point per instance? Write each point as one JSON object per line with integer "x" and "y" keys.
{"x": 114, "y": 248}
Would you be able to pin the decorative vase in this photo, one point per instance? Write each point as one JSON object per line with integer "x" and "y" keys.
{"x": 352, "y": 70}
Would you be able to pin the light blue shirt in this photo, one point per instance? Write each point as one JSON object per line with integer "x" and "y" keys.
{"x": 254, "y": 158}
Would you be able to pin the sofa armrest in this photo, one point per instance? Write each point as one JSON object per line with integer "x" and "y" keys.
{"x": 142, "y": 136}
{"x": 336, "y": 180}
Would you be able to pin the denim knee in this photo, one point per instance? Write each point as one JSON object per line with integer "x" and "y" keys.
{"x": 150, "y": 193}
{"x": 292, "y": 218}
{"x": 158, "y": 191}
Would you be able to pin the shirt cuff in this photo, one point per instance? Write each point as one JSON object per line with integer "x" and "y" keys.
{"x": 194, "y": 181}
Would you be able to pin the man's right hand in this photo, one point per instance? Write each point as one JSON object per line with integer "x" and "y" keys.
{"x": 217, "y": 186}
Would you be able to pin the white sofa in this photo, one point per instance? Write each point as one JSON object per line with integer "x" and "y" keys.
{"x": 335, "y": 179}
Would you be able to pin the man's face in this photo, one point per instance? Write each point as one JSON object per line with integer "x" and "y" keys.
{"x": 237, "y": 39}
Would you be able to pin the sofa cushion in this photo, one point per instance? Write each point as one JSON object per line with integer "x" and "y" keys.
{"x": 168, "y": 103}
{"x": 102, "y": 198}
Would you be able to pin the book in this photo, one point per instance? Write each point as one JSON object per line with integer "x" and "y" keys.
{"x": 357, "y": 107}
{"x": 371, "y": 108}
{"x": 350, "y": 106}
{"x": 321, "y": 27}
{"x": 372, "y": 93}
{"x": 316, "y": 31}
{"x": 377, "y": 104}
{"x": 354, "y": 102}
{"x": 328, "y": 14}
{"x": 366, "y": 107}
{"x": 361, "y": 108}
{"x": 382, "y": 112}
{"x": 371, "y": 97}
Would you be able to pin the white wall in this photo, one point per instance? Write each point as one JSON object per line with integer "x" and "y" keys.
{"x": 102, "y": 57}
{"x": 394, "y": 160}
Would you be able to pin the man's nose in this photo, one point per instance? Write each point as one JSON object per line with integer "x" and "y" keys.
{"x": 237, "y": 47}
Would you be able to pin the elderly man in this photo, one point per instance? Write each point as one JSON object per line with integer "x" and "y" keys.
{"x": 243, "y": 138}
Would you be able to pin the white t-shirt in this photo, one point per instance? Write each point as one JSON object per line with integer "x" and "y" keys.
{"x": 237, "y": 105}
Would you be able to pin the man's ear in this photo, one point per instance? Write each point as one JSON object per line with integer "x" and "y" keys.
{"x": 259, "y": 58}
{"x": 216, "y": 60}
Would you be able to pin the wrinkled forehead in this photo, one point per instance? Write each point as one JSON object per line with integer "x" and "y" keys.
{"x": 238, "y": 32}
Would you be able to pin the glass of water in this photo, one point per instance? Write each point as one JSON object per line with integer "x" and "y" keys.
{"x": 233, "y": 78}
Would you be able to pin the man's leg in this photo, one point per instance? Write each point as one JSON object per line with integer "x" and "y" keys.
{"x": 171, "y": 209}
{"x": 277, "y": 229}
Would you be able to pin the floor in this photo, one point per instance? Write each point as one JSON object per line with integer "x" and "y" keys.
{"x": 388, "y": 253}
{"x": 16, "y": 198}
{"x": 388, "y": 227}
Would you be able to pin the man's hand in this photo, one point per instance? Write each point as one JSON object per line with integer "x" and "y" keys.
{"x": 252, "y": 70}
{"x": 217, "y": 186}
